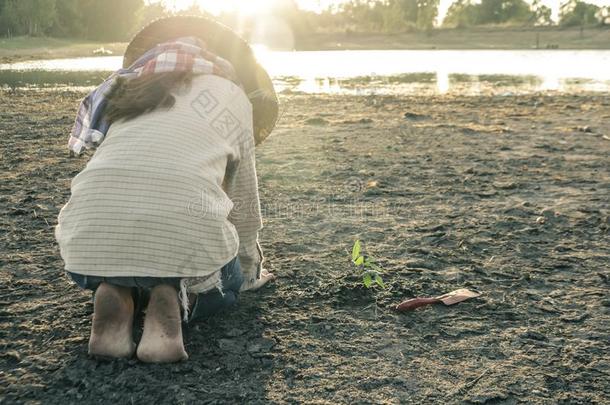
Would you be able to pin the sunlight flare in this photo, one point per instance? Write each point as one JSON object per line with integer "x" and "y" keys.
{"x": 244, "y": 7}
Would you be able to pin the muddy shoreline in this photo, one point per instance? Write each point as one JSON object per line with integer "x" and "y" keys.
{"x": 498, "y": 38}
{"x": 504, "y": 195}
{"x": 483, "y": 38}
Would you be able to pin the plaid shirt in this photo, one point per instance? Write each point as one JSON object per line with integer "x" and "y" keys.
{"x": 187, "y": 54}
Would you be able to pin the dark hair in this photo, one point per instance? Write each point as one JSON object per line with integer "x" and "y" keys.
{"x": 130, "y": 98}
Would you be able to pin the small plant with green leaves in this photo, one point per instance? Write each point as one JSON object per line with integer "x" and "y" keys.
{"x": 370, "y": 271}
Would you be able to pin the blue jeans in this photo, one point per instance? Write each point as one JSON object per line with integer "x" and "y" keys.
{"x": 204, "y": 305}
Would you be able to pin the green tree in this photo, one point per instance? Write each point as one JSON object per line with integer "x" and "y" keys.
{"x": 542, "y": 13}
{"x": 504, "y": 11}
{"x": 604, "y": 15}
{"x": 152, "y": 12}
{"x": 577, "y": 12}
{"x": 461, "y": 14}
{"x": 363, "y": 15}
{"x": 68, "y": 20}
{"x": 466, "y": 13}
{"x": 110, "y": 20}
{"x": 288, "y": 10}
{"x": 4, "y": 28}
{"x": 397, "y": 16}
{"x": 390, "y": 15}
{"x": 427, "y": 11}
{"x": 410, "y": 9}
{"x": 27, "y": 17}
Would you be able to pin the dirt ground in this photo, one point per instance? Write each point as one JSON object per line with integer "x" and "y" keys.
{"x": 505, "y": 195}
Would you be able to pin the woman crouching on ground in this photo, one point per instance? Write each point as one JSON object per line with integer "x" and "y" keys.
{"x": 167, "y": 211}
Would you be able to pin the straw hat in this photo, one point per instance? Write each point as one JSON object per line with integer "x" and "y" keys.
{"x": 225, "y": 43}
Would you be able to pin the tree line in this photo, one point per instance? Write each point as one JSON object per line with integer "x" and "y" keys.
{"x": 92, "y": 19}
{"x": 117, "y": 20}
{"x": 466, "y": 13}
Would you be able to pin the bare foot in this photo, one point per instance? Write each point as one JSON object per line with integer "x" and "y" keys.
{"x": 111, "y": 331}
{"x": 162, "y": 337}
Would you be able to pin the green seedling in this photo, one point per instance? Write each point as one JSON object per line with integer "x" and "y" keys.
{"x": 370, "y": 271}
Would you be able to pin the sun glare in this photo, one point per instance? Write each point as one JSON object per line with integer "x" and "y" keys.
{"x": 245, "y": 7}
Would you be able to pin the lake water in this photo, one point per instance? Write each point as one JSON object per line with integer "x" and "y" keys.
{"x": 373, "y": 72}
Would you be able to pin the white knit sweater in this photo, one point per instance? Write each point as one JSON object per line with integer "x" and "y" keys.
{"x": 171, "y": 193}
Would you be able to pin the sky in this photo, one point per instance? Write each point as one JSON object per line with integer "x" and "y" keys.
{"x": 253, "y": 6}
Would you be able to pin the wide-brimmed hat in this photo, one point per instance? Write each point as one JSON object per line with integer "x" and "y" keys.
{"x": 225, "y": 43}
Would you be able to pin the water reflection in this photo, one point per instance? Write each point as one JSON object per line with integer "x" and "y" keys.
{"x": 430, "y": 83}
{"x": 98, "y": 63}
{"x": 47, "y": 78}
{"x": 373, "y": 72}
